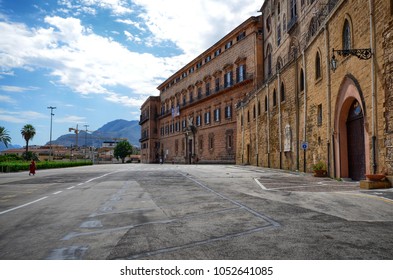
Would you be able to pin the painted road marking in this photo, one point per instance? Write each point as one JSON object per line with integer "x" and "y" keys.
{"x": 388, "y": 200}
{"x": 259, "y": 183}
{"x": 24, "y": 205}
{"x": 45, "y": 197}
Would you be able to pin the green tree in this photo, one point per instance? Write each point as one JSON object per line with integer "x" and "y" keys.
{"x": 28, "y": 132}
{"x": 4, "y": 136}
{"x": 122, "y": 150}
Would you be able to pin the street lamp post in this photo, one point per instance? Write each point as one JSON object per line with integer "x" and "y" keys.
{"x": 50, "y": 137}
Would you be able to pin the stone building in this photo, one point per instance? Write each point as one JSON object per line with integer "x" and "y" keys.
{"x": 196, "y": 121}
{"x": 326, "y": 94}
{"x": 149, "y": 129}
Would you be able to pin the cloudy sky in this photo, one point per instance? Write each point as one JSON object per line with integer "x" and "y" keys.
{"x": 98, "y": 60}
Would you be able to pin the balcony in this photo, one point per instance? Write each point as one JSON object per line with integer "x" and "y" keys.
{"x": 143, "y": 119}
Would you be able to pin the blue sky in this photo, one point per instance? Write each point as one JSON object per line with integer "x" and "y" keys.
{"x": 98, "y": 60}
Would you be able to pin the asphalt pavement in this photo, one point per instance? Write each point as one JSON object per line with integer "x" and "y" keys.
{"x": 139, "y": 211}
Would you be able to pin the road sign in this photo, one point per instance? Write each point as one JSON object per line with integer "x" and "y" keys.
{"x": 304, "y": 145}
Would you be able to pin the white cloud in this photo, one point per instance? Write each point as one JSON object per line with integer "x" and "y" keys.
{"x": 88, "y": 63}
{"x": 117, "y": 7}
{"x": 132, "y": 38}
{"x": 125, "y": 100}
{"x": 71, "y": 119}
{"x": 195, "y": 25}
{"x": 83, "y": 61}
{"x": 6, "y": 99}
{"x": 20, "y": 116}
{"x": 17, "y": 89}
{"x": 132, "y": 23}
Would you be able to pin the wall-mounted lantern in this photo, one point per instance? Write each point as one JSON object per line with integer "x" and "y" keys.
{"x": 363, "y": 54}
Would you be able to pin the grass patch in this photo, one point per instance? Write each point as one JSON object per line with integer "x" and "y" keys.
{"x": 16, "y": 166}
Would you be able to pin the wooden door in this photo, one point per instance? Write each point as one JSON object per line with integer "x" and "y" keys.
{"x": 356, "y": 145}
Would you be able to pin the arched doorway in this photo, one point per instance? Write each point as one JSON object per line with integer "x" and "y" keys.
{"x": 350, "y": 133}
{"x": 355, "y": 138}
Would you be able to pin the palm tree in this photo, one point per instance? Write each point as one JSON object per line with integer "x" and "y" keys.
{"x": 4, "y": 136}
{"x": 28, "y": 132}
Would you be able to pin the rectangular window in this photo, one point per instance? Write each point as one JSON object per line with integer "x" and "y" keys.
{"x": 207, "y": 117}
{"x": 198, "y": 120}
{"x": 191, "y": 70}
{"x": 241, "y": 73}
{"x": 217, "y": 114}
{"x": 241, "y": 36}
{"x": 229, "y": 141}
{"x": 199, "y": 93}
{"x": 199, "y": 65}
{"x": 207, "y": 59}
{"x": 228, "y": 112}
{"x": 211, "y": 142}
{"x": 217, "y": 84}
{"x": 183, "y": 124}
{"x": 228, "y": 79}
{"x": 319, "y": 120}
{"x": 217, "y": 52}
{"x": 207, "y": 89}
{"x": 228, "y": 45}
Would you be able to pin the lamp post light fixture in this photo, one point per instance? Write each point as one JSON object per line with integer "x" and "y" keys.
{"x": 50, "y": 137}
{"x": 363, "y": 54}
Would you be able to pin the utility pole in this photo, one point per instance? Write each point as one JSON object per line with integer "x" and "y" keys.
{"x": 86, "y": 126}
{"x": 50, "y": 137}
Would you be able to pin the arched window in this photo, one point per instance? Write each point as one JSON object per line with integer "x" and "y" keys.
{"x": 318, "y": 66}
{"x": 274, "y": 98}
{"x": 266, "y": 104}
{"x": 301, "y": 80}
{"x": 269, "y": 60}
{"x": 282, "y": 92}
{"x": 279, "y": 63}
{"x": 347, "y": 35}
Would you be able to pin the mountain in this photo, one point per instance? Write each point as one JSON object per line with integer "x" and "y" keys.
{"x": 3, "y": 147}
{"x": 110, "y": 131}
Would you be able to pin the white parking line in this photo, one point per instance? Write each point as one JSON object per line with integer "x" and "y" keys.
{"x": 58, "y": 192}
{"x": 259, "y": 183}
{"x": 70, "y": 188}
{"x": 24, "y": 205}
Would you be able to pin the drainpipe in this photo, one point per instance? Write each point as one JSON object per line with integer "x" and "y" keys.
{"x": 373, "y": 87}
{"x": 242, "y": 124}
{"x": 256, "y": 128}
{"x": 305, "y": 108}
{"x": 328, "y": 99}
{"x": 268, "y": 126}
{"x": 297, "y": 126}
{"x": 279, "y": 117}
